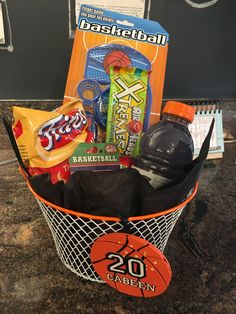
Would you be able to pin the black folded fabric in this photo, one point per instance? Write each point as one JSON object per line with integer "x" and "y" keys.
{"x": 103, "y": 193}
{"x": 43, "y": 186}
{"x": 8, "y": 127}
{"x": 121, "y": 193}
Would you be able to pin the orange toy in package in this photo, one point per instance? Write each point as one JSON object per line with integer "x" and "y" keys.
{"x": 104, "y": 39}
{"x": 47, "y": 139}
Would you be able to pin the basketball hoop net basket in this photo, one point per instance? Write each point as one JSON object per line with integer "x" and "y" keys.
{"x": 74, "y": 233}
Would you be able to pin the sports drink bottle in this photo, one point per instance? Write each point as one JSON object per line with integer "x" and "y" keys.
{"x": 167, "y": 146}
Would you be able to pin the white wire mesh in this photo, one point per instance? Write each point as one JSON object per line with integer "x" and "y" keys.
{"x": 156, "y": 230}
{"x": 74, "y": 236}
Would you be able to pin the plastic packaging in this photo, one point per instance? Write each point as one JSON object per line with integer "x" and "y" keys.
{"x": 47, "y": 139}
{"x": 167, "y": 147}
{"x": 104, "y": 39}
{"x": 127, "y": 103}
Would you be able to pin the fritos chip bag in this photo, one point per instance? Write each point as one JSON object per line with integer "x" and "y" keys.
{"x": 47, "y": 139}
{"x": 127, "y": 103}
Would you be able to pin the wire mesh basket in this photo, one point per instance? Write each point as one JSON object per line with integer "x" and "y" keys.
{"x": 74, "y": 233}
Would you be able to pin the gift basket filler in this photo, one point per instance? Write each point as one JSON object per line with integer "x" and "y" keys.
{"x": 110, "y": 171}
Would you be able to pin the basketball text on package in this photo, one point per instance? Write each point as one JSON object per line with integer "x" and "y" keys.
{"x": 136, "y": 34}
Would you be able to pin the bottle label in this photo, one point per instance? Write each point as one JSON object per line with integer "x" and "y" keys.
{"x": 155, "y": 180}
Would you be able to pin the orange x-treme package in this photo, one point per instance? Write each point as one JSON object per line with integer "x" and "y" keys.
{"x": 104, "y": 39}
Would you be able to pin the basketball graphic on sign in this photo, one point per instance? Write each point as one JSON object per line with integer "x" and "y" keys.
{"x": 151, "y": 54}
{"x": 116, "y": 58}
{"x": 131, "y": 265}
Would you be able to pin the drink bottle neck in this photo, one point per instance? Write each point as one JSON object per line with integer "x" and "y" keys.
{"x": 176, "y": 119}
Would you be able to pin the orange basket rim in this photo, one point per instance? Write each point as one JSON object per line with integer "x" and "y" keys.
{"x": 107, "y": 218}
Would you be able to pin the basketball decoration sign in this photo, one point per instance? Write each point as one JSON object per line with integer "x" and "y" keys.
{"x": 131, "y": 265}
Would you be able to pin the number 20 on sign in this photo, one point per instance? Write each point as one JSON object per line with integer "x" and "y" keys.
{"x": 131, "y": 265}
